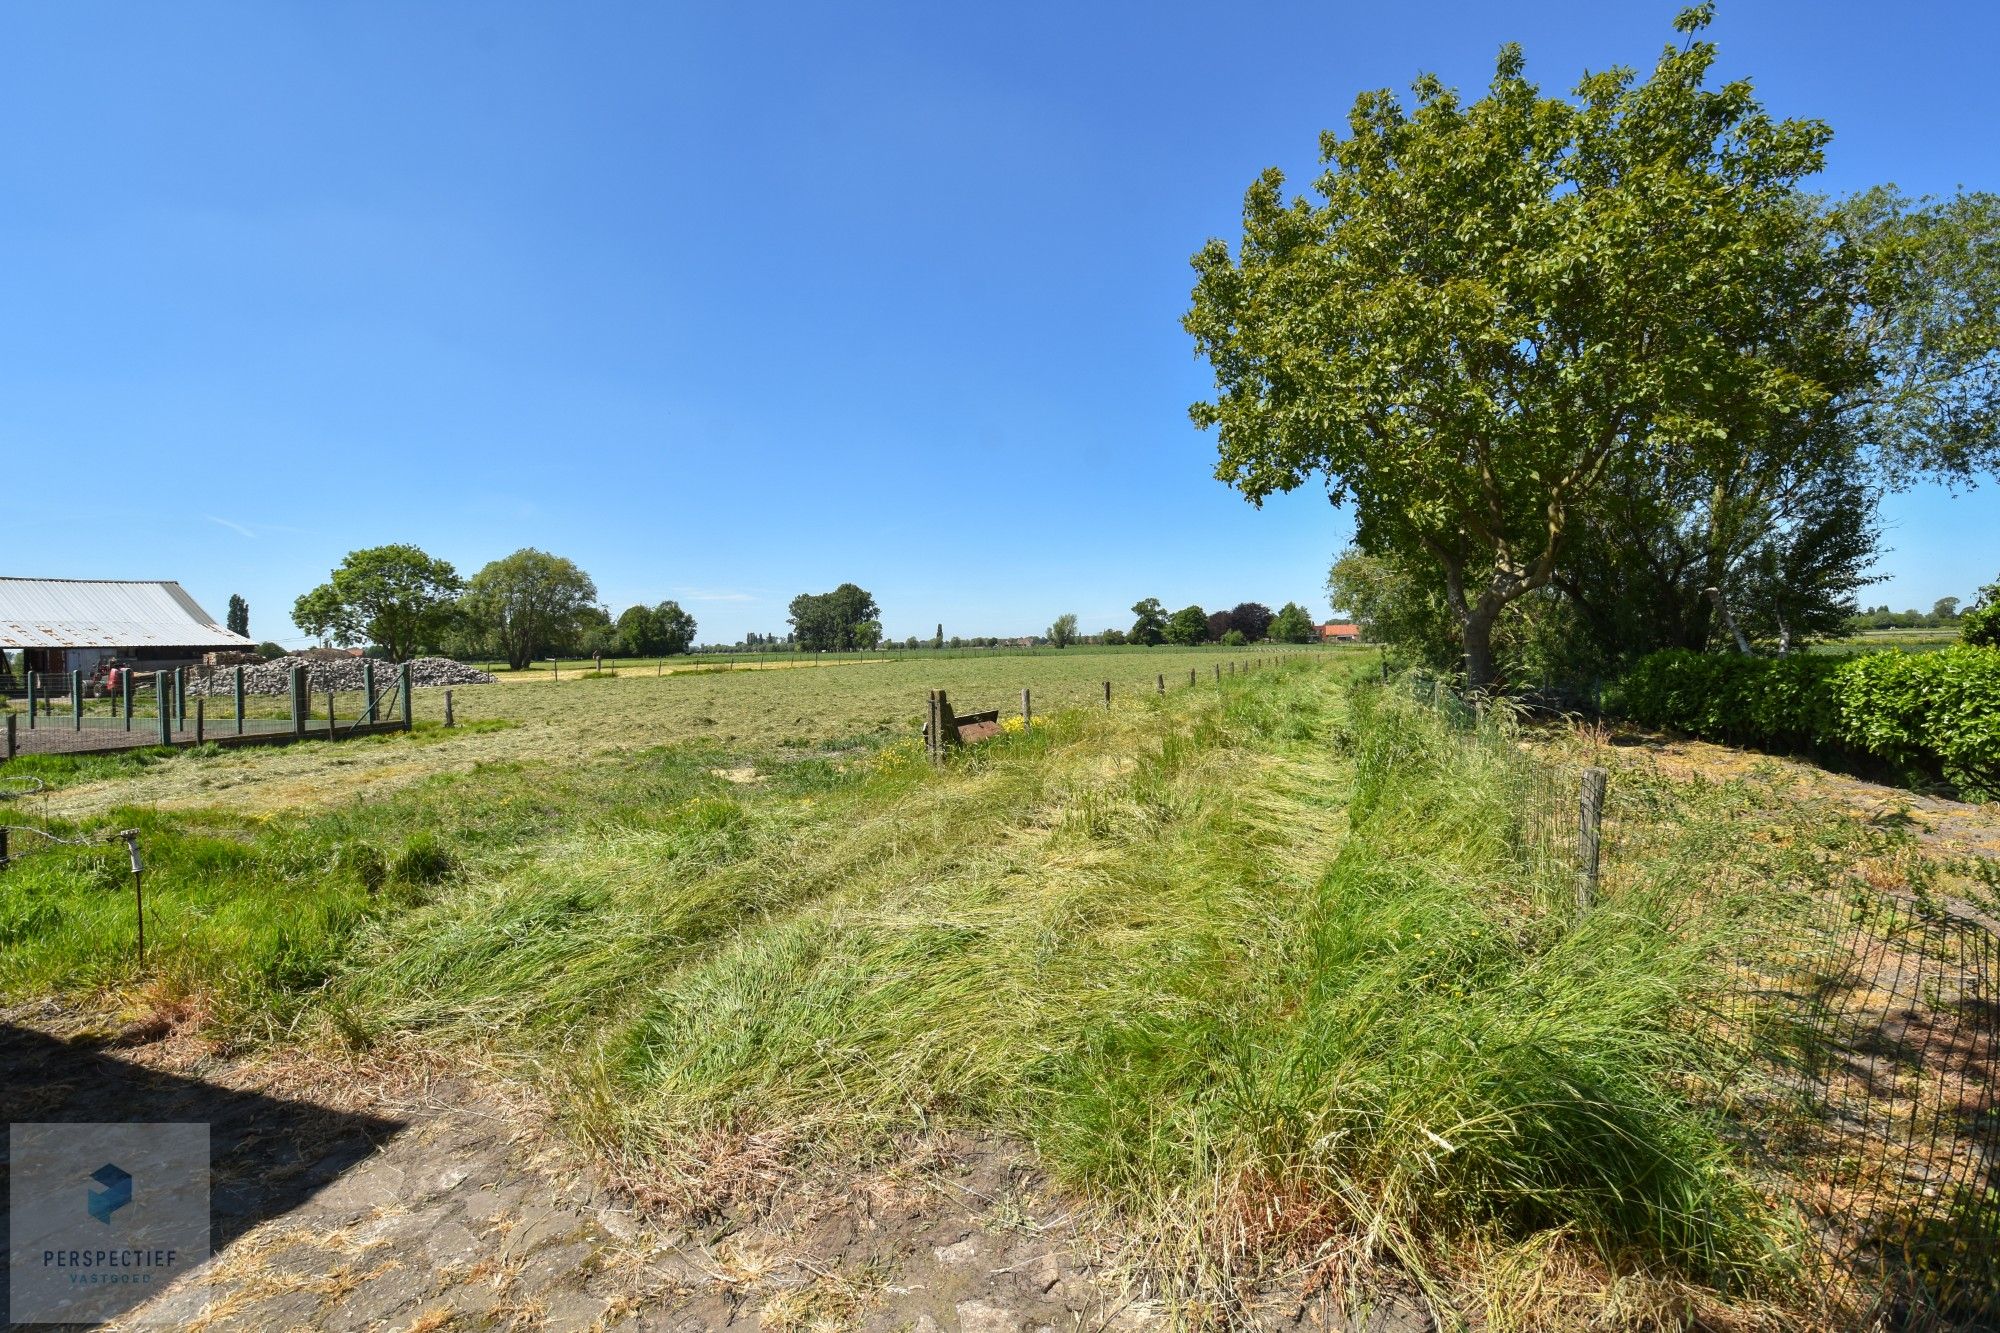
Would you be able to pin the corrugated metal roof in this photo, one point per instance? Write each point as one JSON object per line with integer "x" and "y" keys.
{"x": 106, "y": 613}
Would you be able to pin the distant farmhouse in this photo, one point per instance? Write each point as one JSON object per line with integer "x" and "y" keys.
{"x": 63, "y": 625}
{"x": 1339, "y": 631}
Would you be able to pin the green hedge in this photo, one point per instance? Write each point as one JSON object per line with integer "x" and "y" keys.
{"x": 1934, "y": 715}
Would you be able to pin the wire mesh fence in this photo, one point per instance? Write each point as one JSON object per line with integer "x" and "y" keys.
{"x": 1891, "y": 1010}
{"x": 1860, "y": 1052}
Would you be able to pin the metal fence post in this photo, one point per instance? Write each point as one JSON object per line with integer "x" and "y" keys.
{"x": 408, "y": 712}
{"x": 166, "y": 702}
{"x": 200, "y": 718}
{"x": 31, "y": 699}
{"x": 368, "y": 687}
{"x": 180, "y": 696}
{"x": 239, "y": 700}
{"x": 76, "y": 700}
{"x": 1590, "y": 814}
{"x": 125, "y": 693}
{"x": 331, "y": 734}
{"x": 12, "y": 741}
{"x": 299, "y": 702}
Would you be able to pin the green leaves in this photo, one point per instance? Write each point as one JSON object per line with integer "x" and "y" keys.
{"x": 1496, "y": 310}
{"x": 396, "y": 597}
{"x": 1923, "y": 714}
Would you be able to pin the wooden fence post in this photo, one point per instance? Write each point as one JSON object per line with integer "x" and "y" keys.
{"x": 161, "y": 695}
{"x": 409, "y": 712}
{"x": 12, "y": 741}
{"x": 331, "y": 734}
{"x": 1218, "y": 673}
{"x": 1190, "y": 675}
{"x": 1027, "y": 711}
{"x": 1163, "y": 682}
{"x": 1590, "y": 815}
{"x": 1107, "y": 694}
{"x": 449, "y": 720}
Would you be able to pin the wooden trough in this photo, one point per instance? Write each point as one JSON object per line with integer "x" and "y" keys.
{"x": 944, "y": 729}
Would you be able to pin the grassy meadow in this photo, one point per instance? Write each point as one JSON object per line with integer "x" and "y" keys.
{"x": 1281, "y": 972}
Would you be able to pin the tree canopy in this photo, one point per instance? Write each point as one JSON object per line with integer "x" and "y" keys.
{"x": 528, "y": 602}
{"x": 831, "y": 621}
{"x": 1150, "y": 624}
{"x": 656, "y": 631}
{"x": 239, "y": 615}
{"x": 395, "y": 597}
{"x": 1292, "y": 624}
{"x": 1187, "y": 627}
{"x": 1514, "y": 328}
{"x": 1063, "y": 632}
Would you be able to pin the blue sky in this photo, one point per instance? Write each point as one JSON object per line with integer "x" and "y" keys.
{"x": 732, "y": 302}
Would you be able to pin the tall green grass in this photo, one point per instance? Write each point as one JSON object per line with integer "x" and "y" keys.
{"x": 1275, "y": 947}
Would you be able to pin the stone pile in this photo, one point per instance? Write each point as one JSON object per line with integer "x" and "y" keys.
{"x": 342, "y": 674}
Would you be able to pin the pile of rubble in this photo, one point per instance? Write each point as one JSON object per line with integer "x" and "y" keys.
{"x": 342, "y": 674}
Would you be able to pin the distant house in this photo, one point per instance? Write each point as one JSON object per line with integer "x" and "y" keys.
{"x": 63, "y": 625}
{"x": 1339, "y": 631}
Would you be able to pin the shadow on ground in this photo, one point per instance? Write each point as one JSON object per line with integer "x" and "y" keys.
{"x": 267, "y": 1155}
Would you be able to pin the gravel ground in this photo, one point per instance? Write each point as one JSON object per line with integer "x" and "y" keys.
{"x": 405, "y": 1195}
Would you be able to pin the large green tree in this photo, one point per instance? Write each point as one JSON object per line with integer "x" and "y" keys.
{"x": 528, "y": 602}
{"x": 657, "y": 631}
{"x": 1187, "y": 627}
{"x": 830, "y": 621}
{"x": 239, "y": 615}
{"x": 1292, "y": 624}
{"x": 1149, "y": 624}
{"x": 1062, "y": 633}
{"x": 395, "y": 597}
{"x": 1508, "y": 323}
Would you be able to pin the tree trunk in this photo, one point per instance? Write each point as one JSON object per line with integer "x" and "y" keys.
{"x": 1476, "y": 628}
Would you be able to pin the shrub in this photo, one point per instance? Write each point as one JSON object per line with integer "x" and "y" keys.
{"x": 1981, "y": 627}
{"x": 1234, "y": 639}
{"x": 1923, "y": 714}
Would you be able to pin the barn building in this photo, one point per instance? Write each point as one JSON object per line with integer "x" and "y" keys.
{"x": 63, "y": 625}
{"x": 1336, "y": 631}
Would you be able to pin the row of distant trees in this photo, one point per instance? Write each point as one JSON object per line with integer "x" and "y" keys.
{"x": 520, "y": 607}
{"x": 1246, "y": 622}
{"x": 532, "y": 604}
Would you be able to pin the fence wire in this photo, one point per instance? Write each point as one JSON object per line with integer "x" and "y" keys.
{"x": 1860, "y": 1054}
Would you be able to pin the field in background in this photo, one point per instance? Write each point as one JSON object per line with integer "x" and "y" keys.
{"x": 574, "y": 721}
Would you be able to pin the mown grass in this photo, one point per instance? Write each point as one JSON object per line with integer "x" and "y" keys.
{"x": 1272, "y": 969}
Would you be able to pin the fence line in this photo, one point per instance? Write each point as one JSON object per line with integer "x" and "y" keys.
{"x": 1867, "y": 1035}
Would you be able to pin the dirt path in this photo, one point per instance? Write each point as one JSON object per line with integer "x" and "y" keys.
{"x": 406, "y": 1197}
